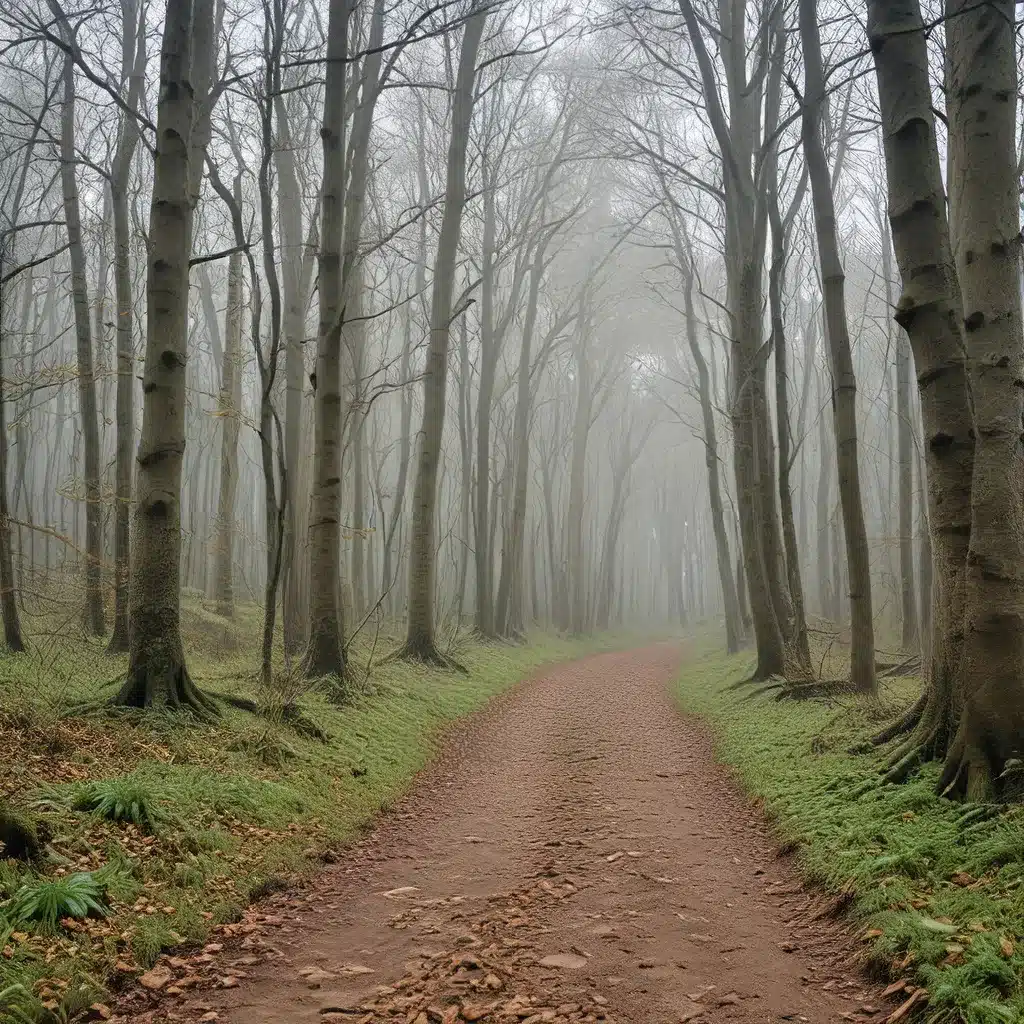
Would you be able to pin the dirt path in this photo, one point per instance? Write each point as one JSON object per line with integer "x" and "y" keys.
{"x": 574, "y": 855}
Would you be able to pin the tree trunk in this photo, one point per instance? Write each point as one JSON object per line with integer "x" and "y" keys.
{"x": 229, "y": 409}
{"x": 983, "y": 115}
{"x": 325, "y": 655}
{"x": 508, "y": 614}
{"x": 484, "y": 556}
{"x": 94, "y": 613}
{"x": 796, "y": 633}
{"x": 730, "y": 599}
{"x": 577, "y": 593}
{"x": 420, "y": 641}
{"x": 157, "y": 674}
{"x": 295, "y": 259}
{"x": 133, "y": 27}
{"x": 844, "y": 388}
{"x": 930, "y": 311}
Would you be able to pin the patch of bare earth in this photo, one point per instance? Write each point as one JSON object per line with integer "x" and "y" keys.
{"x": 575, "y": 855}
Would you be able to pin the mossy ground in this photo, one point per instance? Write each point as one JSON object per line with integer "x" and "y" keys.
{"x": 938, "y": 886}
{"x": 225, "y": 812}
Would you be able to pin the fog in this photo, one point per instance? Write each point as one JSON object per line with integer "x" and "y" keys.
{"x": 539, "y": 343}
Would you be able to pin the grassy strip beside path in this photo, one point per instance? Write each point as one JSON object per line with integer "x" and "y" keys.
{"x": 176, "y": 827}
{"x": 936, "y": 887}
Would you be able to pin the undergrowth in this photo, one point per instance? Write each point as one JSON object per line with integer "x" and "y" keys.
{"x": 159, "y": 828}
{"x": 937, "y": 886}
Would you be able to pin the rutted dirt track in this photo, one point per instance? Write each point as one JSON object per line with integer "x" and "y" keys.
{"x": 574, "y": 855}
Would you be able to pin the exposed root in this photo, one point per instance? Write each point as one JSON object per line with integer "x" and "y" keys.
{"x": 766, "y": 691}
{"x": 752, "y": 679}
{"x": 427, "y": 654}
{"x": 820, "y": 688}
{"x": 168, "y": 687}
{"x": 908, "y": 667}
{"x": 905, "y": 766}
{"x": 906, "y": 723}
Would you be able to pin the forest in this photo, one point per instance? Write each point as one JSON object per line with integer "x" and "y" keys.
{"x": 511, "y": 510}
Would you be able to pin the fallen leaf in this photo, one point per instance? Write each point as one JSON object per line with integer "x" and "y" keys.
{"x": 938, "y": 925}
{"x": 156, "y": 979}
{"x": 1006, "y": 946}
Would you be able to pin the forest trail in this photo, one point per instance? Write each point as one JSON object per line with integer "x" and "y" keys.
{"x": 579, "y": 850}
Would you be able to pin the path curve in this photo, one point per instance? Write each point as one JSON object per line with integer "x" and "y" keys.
{"x": 574, "y": 855}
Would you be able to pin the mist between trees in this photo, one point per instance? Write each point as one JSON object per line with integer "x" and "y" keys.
{"x": 504, "y": 312}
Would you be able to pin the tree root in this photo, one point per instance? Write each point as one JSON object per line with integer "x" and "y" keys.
{"x": 819, "y": 688}
{"x": 427, "y": 654}
{"x": 167, "y": 687}
{"x": 906, "y": 723}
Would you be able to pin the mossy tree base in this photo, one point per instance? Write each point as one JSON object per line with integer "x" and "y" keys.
{"x": 324, "y": 656}
{"x": 167, "y": 687}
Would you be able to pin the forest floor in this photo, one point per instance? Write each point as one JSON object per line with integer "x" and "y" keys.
{"x": 575, "y": 854}
{"x": 178, "y": 827}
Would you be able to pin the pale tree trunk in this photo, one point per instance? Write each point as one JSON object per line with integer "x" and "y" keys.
{"x": 405, "y": 368}
{"x": 157, "y": 674}
{"x": 94, "y": 614}
{"x": 632, "y": 446}
{"x": 484, "y": 557}
{"x": 796, "y": 626}
{"x": 325, "y": 655}
{"x": 229, "y": 409}
{"x": 730, "y": 599}
{"x": 738, "y": 135}
{"x": 296, "y": 264}
{"x": 354, "y": 340}
{"x": 981, "y": 52}
{"x": 508, "y": 613}
{"x": 930, "y": 311}
{"x": 844, "y": 381}
{"x": 465, "y": 482}
{"x": 134, "y": 63}
{"x": 420, "y": 641}
{"x": 577, "y": 592}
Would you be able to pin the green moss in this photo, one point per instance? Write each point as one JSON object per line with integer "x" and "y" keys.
{"x": 945, "y": 892}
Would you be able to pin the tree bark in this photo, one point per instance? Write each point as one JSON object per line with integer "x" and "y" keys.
{"x": 157, "y": 674}
{"x": 730, "y": 599}
{"x": 325, "y": 654}
{"x": 930, "y": 311}
{"x": 134, "y": 59}
{"x": 981, "y": 51}
{"x": 844, "y": 381}
{"x": 420, "y": 643}
{"x": 94, "y": 612}
{"x": 229, "y": 409}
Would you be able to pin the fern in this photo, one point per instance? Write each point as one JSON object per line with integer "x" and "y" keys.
{"x": 45, "y": 903}
{"x": 124, "y": 799}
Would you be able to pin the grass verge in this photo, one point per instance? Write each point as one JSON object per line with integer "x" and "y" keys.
{"x": 157, "y": 829}
{"x": 935, "y": 886}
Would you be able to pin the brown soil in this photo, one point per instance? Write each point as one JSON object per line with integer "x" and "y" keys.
{"x": 574, "y": 855}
